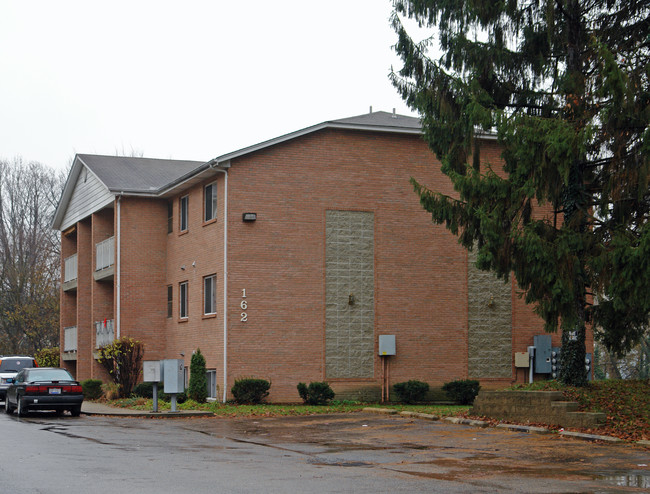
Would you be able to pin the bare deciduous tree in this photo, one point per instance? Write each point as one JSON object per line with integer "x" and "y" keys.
{"x": 29, "y": 257}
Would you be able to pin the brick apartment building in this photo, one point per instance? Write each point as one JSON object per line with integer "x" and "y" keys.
{"x": 286, "y": 261}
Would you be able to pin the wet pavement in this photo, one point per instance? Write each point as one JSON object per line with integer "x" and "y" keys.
{"x": 358, "y": 452}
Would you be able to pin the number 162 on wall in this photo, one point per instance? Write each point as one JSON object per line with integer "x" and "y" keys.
{"x": 243, "y": 306}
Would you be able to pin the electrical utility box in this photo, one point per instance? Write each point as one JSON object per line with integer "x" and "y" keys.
{"x": 543, "y": 354}
{"x": 522, "y": 359}
{"x": 152, "y": 371}
{"x": 386, "y": 344}
{"x": 174, "y": 376}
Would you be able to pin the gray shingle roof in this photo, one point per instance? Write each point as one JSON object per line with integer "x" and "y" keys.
{"x": 382, "y": 119}
{"x": 146, "y": 175}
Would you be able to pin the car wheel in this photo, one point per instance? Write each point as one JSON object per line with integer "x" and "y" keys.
{"x": 21, "y": 408}
{"x": 8, "y": 408}
{"x": 75, "y": 411}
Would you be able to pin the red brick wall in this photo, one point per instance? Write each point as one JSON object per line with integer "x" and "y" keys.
{"x": 420, "y": 280}
{"x": 191, "y": 256}
{"x": 85, "y": 327}
{"x": 143, "y": 265}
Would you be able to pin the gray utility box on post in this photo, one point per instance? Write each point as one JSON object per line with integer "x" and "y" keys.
{"x": 152, "y": 371}
{"x": 174, "y": 376}
{"x": 543, "y": 357}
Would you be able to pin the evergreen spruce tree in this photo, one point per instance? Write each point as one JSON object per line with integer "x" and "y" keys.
{"x": 198, "y": 387}
{"x": 564, "y": 86}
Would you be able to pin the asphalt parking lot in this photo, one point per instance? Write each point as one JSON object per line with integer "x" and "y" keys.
{"x": 358, "y": 452}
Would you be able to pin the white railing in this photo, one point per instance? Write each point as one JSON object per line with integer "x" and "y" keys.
{"x": 104, "y": 333}
{"x": 105, "y": 254}
{"x": 70, "y": 339}
{"x": 70, "y": 268}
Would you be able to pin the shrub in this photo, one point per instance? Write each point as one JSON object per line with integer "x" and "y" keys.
{"x": 198, "y": 388}
{"x": 111, "y": 390}
{"x": 144, "y": 390}
{"x": 47, "y": 357}
{"x": 411, "y": 391}
{"x": 317, "y": 393}
{"x": 92, "y": 389}
{"x": 122, "y": 360}
{"x": 462, "y": 392}
{"x": 250, "y": 391}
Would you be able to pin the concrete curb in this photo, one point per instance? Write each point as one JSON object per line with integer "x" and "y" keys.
{"x": 92, "y": 408}
{"x": 425, "y": 416}
{"x": 511, "y": 427}
{"x": 152, "y": 415}
{"x": 385, "y": 411}
{"x": 524, "y": 428}
{"x": 590, "y": 437}
{"x": 460, "y": 420}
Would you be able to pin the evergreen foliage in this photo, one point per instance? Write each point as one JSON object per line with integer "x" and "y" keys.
{"x": 412, "y": 391}
{"x": 48, "y": 357}
{"x": 462, "y": 391}
{"x": 250, "y": 391}
{"x": 317, "y": 393}
{"x": 122, "y": 359}
{"x": 198, "y": 387}
{"x": 564, "y": 85}
{"x": 92, "y": 389}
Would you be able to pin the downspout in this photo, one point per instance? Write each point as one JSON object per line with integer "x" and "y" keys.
{"x": 225, "y": 280}
{"x": 118, "y": 266}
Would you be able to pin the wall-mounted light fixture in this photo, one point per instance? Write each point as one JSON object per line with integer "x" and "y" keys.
{"x": 351, "y": 299}
{"x": 249, "y": 217}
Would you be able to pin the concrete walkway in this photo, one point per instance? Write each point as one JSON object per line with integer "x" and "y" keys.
{"x": 96, "y": 408}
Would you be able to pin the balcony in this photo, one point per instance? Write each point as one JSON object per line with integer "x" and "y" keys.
{"x": 104, "y": 260}
{"x": 70, "y": 273}
{"x": 70, "y": 343}
{"x": 104, "y": 334}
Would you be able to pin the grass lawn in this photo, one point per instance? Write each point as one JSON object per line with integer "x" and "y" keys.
{"x": 273, "y": 409}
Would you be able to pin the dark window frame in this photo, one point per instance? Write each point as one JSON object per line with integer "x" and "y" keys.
{"x": 210, "y": 202}
{"x": 170, "y": 301}
{"x": 210, "y": 304}
{"x": 184, "y": 213}
{"x": 183, "y": 300}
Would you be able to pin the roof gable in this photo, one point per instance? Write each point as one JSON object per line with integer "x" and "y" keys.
{"x": 376, "y": 122}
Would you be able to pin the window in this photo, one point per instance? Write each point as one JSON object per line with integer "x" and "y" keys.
{"x": 184, "y": 205}
{"x": 170, "y": 299}
{"x": 170, "y": 217}
{"x": 210, "y": 294}
{"x": 210, "y": 202}
{"x": 182, "y": 296}
{"x": 211, "y": 378}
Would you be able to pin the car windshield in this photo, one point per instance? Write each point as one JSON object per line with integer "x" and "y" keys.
{"x": 14, "y": 364}
{"x": 48, "y": 375}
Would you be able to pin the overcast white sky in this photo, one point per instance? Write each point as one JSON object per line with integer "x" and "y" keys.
{"x": 185, "y": 80}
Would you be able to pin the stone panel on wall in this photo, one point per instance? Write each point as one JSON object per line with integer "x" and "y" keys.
{"x": 490, "y": 323}
{"x": 349, "y": 311}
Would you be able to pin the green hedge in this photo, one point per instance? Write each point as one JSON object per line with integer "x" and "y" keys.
{"x": 92, "y": 389}
{"x": 317, "y": 393}
{"x": 411, "y": 391}
{"x": 463, "y": 391}
{"x": 250, "y": 391}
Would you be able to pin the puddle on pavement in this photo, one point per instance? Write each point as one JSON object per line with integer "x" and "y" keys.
{"x": 627, "y": 480}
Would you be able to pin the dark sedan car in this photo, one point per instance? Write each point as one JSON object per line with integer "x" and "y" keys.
{"x": 44, "y": 388}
